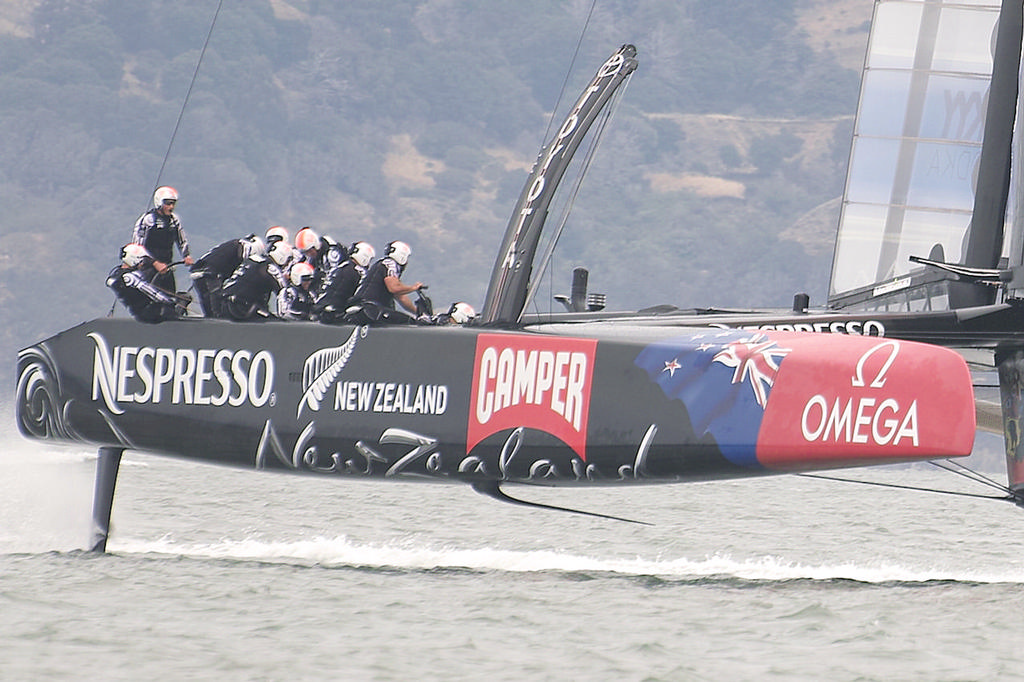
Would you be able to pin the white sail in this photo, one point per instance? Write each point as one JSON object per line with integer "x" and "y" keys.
{"x": 913, "y": 167}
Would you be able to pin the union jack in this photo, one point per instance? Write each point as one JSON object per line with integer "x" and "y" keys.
{"x": 755, "y": 359}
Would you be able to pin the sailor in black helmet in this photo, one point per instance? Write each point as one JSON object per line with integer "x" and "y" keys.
{"x": 158, "y": 230}
{"x": 383, "y": 285}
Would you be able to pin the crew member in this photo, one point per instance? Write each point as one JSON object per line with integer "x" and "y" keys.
{"x": 158, "y": 230}
{"x": 382, "y": 286}
{"x": 308, "y": 247}
{"x": 459, "y": 313}
{"x": 332, "y": 256}
{"x": 132, "y": 282}
{"x": 295, "y": 302}
{"x": 320, "y": 251}
{"x": 247, "y": 292}
{"x": 275, "y": 234}
{"x": 216, "y": 265}
{"x": 341, "y": 284}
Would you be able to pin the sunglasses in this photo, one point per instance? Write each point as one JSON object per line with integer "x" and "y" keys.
{"x": 170, "y": 202}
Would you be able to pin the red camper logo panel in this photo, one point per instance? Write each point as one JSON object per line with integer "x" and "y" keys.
{"x": 538, "y": 382}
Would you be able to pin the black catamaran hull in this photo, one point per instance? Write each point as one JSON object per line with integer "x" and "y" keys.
{"x": 463, "y": 404}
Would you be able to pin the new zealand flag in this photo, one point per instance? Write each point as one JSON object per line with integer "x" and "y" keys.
{"x": 724, "y": 379}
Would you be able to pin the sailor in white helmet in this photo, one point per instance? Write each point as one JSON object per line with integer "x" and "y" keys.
{"x": 131, "y": 281}
{"x": 342, "y": 282}
{"x": 275, "y": 234}
{"x": 383, "y": 285}
{"x": 460, "y": 312}
{"x": 247, "y": 292}
{"x": 323, "y": 253}
{"x": 158, "y": 230}
{"x": 295, "y": 302}
{"x": 211, "y": 270}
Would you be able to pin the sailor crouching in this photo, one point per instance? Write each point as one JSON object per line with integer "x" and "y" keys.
{"x": 132, "y": 283}
{"x": 247, "y": 292}
{"x": 217, "y": 265}
{"x": 295, "y": 302}
{"x": 341, "y": 284}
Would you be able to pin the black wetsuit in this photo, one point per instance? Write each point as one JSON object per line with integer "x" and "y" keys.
{"x": 329, "y": 257}
{"x": 247, "y": 292}
{"x": 159, "y": 233}
{"x": 143, "y": 300}
{"x": 373, "y": 287}
{"x": 210, "y": 271}
{"x": 377, "y": 304}
{"x": 340, "y": 286}
{"x": 332, "y": 256}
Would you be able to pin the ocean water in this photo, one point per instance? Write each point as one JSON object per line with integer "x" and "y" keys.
{"x": 223, "y": 574}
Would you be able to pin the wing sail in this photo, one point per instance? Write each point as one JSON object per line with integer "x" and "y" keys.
{"x": 930, "y": 162}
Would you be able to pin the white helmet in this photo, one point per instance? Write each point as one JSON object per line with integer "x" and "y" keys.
{"x": 399, "y": 251}
{"x": 133, "y": 254}
{"x": 301, "y": 272}
{"x": 276, "y": 234}
{"x": 306, "y": 239}
{"x": 461, "y": 312}
{"x": 163, "y": 194}
{"x": 252, "y": 246}
{"x": 280, "y": 252}
{"x": 362, "y": 253}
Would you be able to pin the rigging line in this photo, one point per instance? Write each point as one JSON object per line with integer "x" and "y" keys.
{"x": 605, "y": 117}
{"x": 904, "y": 487}
{"x": 976, "y": 473}
{"x": 551, "y": 291}
{"x": 188, "y": 93}
{"x": 549, "y": 249}
{"x": 970, "y": 474}
{"x": 572, "y": 62}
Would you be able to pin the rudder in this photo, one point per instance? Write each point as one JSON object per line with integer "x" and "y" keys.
{"x": 1011, "y": 392}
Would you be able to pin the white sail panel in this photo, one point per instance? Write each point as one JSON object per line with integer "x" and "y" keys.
{"x": 1014, "y": 214}
{"x": 917, "y": 139}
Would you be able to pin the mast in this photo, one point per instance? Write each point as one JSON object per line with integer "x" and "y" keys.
{"x": 510, "y": 277}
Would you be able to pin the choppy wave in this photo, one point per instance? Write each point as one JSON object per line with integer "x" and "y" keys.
{"x": 340, "y": 552}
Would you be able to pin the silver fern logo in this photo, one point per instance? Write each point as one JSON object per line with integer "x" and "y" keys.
{"x": 322, "y": 368}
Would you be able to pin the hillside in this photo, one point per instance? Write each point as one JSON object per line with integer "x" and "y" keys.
{"x": 717, "y": 182}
